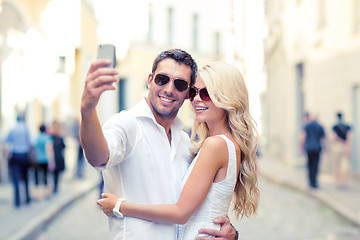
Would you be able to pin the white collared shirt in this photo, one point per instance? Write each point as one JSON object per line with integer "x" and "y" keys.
{"x": 144, "y": 168}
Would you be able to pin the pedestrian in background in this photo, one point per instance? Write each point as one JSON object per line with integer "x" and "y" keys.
{"x": 59, "y": 147}
{"x": 19, "y": 143}
{"x": 45, "y": 159}
{"x": 79, "y": 172}
{"x": 341, "y": 150}
{"x": 312, "y": 139}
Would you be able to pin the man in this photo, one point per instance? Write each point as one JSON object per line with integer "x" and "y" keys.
{"x": 341, "y": 149}
{"x": 143, "y": 152}
{"x": 311, "y": 141}
{"x": 19, "y": 142}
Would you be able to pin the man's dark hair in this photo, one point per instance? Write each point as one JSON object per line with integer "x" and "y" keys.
{"x": 339, "y": 115}
{"x": 180, "y": 56}
{"x": 20, "y": 118}
{"x": 42, "y": 128}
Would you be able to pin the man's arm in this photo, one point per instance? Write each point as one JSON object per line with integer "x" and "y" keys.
{"x": 210, "y": 160}
{"x": 50, "y": 155}
{"x": 302, "y": 137}
{"x": 227, "y": 231}
{"x": 348, "y": 143}
{"x": 92, "y": 138}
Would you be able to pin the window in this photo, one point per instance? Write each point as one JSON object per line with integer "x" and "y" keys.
{"x": 170, "y": 26}
{"x": 150, "y": 26}
{"x": 217, "y": 44}
{"x": 195, "y": 31}
{"x": 299, "y": 91}
{"x": 321, "y": 13}
{"x": 122, "y": 93}
{"x": 62, "y": 64}
{"x": 356, "y": 17}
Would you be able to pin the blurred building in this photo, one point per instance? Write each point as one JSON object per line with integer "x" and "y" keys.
{"x": 46, "y": 47}
{"x": 210, "y": 30}
{"x": 312, "y": 56}
{"x": 199, "y": 27}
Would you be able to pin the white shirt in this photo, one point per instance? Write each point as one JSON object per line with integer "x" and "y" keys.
{"x": 144, "y": 168}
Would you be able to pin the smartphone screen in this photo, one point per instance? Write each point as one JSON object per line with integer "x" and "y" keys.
{"x": 107, "y": 51}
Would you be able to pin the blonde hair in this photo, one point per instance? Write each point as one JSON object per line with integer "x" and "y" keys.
{"x": 228, "y": 91}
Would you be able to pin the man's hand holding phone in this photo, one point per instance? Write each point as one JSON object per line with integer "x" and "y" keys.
{"x": 99, "y": 78}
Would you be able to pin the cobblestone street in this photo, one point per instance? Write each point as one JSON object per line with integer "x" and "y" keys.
{"x": 287, "y": 214}
{"x": 81, "y": 220}
{"x": 284, "y": 214}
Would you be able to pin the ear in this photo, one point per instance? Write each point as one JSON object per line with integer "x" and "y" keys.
{"x": 149, "y": 80}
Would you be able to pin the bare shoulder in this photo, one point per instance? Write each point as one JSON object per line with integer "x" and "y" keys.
{"x": 215, "y": 146}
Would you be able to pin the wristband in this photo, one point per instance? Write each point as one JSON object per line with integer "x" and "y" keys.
{"x": 236, "y": 232}
{"x": 116, "y": 210}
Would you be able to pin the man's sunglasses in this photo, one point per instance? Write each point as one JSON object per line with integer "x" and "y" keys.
{"x": 203, "y": 93}
{"x": 161, "y": 80}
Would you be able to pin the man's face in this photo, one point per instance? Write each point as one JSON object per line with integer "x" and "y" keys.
{"x": 166, "y": 100}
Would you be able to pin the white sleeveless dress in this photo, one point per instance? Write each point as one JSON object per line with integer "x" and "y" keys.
{"x": 217, "y": 201}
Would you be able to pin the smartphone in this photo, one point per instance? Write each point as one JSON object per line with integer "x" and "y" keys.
{"x": 107, "y": 51}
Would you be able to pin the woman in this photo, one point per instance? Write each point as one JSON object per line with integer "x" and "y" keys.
{"x": 45, "y": 160}
{"x": 224, "y": 162}
{"x": 59, "y": 147}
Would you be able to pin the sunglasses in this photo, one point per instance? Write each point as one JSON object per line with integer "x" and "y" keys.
{"x": 180, "y": 85}
{"x": 203, "y": 93}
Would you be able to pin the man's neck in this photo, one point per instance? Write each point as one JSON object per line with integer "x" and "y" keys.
{"x": 169, "y": 135}
{"x": 165, "y": 122}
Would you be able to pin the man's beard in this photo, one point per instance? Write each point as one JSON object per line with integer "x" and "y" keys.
{"x": 169, "y": 115}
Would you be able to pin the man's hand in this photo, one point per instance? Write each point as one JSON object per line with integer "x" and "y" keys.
{"x": 107, "y": 203}
{"x": 98, "y": 80}
{"x": 226, "y": 232}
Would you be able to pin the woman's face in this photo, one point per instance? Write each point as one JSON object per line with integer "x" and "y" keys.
{"x": 206, "y": 111}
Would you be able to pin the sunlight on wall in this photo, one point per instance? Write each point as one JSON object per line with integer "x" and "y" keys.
{"x": 30, "y": 71}
{"x": 60, "y": 23}
{"x": 117, "y": 23}
{"x": 254, "y": 55}
{"x": 246, "y": 49}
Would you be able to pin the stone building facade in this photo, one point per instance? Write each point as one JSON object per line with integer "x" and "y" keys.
{"x": 312, "y": 57}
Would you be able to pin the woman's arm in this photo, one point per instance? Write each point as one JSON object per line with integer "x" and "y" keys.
{"x": 50, "y": 154}
{"x": 212, "y": 157}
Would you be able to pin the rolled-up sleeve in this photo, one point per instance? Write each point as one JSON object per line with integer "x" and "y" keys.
{"x": 117, "y": 131}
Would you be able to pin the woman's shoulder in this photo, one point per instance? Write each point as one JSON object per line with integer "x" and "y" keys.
{"x": 215, "y": 144}
{"x": 214, "y": 149}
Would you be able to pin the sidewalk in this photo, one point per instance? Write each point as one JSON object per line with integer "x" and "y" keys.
{"x": 344, "y": 202}
{"x": 28, "y": 220}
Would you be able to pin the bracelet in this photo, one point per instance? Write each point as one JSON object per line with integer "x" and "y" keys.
{"x": 236, "y": 232}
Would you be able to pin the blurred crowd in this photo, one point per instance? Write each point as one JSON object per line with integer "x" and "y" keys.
{"x": 337, "y": 144}
{"x": 38, "y": 161}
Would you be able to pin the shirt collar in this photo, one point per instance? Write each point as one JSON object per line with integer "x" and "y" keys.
{"x": 142, "y": 109}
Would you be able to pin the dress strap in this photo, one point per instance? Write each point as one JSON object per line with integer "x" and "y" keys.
{"x": 232, "y": 163}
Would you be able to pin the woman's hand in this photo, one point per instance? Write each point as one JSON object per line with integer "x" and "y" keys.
{"x": 107, "y": 203}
